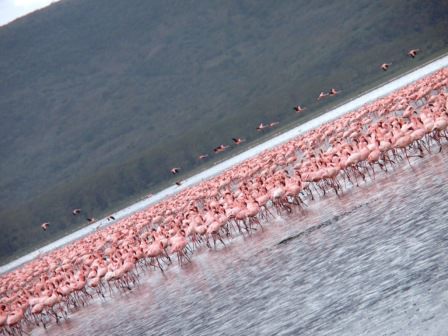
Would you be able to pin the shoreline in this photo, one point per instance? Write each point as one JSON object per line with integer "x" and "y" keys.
{"x": 277, "y": 139}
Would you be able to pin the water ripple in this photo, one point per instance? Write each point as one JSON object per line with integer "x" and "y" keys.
{"x": 372, "y": 262}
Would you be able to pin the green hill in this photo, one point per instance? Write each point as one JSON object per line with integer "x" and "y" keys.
{"x": 100, "y": 98}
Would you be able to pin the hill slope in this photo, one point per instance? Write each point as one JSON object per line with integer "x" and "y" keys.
{"x": 99, "y": 98}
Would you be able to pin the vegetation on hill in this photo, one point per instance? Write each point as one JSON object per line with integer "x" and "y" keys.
{"x": 100, "y": 98}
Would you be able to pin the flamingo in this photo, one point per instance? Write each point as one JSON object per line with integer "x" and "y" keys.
{"x": 238, "y": 141}
{"x": 299, "y": 108}
{"x": 262, "y": 126}
{"x": 220, "y": 148}
{"x": 44, "y": 226}
{"x": 3, "y": 315}
{"x": 413, "y": 52}
{"x": 385, "y": 66}
{"x": 322, "y": 95}
{"x": 333, "y": 92}
{"x": 174, "y": 171}
{"x": 76, "y": 212}
{"x": 202, "y": 156}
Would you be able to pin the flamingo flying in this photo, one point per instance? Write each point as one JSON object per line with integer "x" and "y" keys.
{"x": 174, "y": 171}
{"x": 220, "y": 148}
{"x": 322, "y": 95}
{"x": 413, "y": 52}
{"x": 299, "y": 108}
{"x": 385, "y": 66}
{"x": 333, "y": 92}
{"x": 262, "y": 126}
{"x": 237, "y": 141}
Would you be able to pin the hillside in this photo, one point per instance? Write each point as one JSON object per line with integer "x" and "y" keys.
{"x": 100, "y": 98}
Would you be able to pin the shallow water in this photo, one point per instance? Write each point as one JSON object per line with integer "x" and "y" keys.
{"x": 373, "y": 262}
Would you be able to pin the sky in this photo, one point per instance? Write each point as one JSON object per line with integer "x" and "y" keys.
{"x": 13, "y": 9}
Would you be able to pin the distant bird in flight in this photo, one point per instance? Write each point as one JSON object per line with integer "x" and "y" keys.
{"x": 274, "y": 123}
{"x": 262, "y": 126}
{"x": 237, "y": 141}
{"x": 385, "y": 66}
{"x": 333, "y": 92}
{"x": 76, "y": 212}
{"x": 322, "y": 95}
{"x": 299, "y": 108}
{"x": 413, "y": 52}
{"x": 203, "y": 156}
{"x": 174, "y": 171}
{"x": 110, "y": 218}
{"x": 178, "y": 183}
{"x": 220, "y": 148}
{"x": 91, "y": 219}
{"x": 44, "y": 226}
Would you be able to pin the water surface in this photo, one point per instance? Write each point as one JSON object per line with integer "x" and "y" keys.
{"x": 373, "y": 262}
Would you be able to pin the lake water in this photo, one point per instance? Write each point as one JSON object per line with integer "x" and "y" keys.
{"x": 373, "y": 262}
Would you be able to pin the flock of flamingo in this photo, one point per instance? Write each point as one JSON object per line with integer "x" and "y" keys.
{"x": 298, "y": 108}
{"x": 411, "y": 122}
